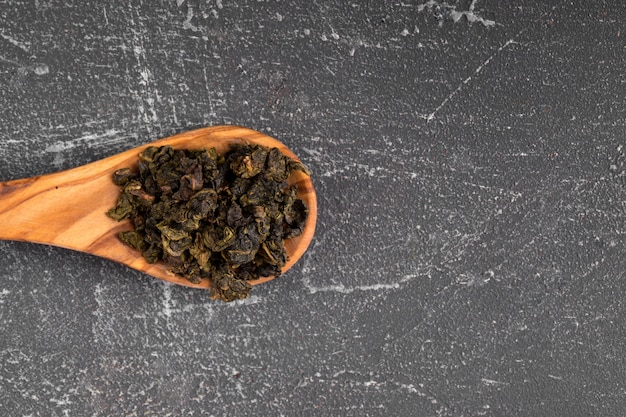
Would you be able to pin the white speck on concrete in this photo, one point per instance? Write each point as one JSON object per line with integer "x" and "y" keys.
{"x": 106, "y": 18}
{"x": 369, "y": 171}
{"x": 3, "y": 294}
{"x": 37, "y": 69}
{"x": 92, "y": 139}
{"x": 187, "y": 22}
{"x": 167, "y": 300}
{"x": 40, "y": 69}
{"x": 340, "y": 288}
{"x": 97, "y": 294}
{"x": 431, "y": 116}
{"x": 15, "y": 42}
{"x": 456, "y": 15}
{"x": 492, "y": 382}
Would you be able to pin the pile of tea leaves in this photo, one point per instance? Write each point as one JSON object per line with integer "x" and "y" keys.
{"x": 205, "y": 215}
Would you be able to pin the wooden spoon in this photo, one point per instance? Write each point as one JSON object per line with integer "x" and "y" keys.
{"x": 67, "y": 208}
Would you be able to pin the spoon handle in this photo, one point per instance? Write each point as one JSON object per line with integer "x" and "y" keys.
{"x": 62, "y": 209}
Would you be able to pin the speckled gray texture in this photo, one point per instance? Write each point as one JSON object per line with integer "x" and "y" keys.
{"x": 469, "y": 163}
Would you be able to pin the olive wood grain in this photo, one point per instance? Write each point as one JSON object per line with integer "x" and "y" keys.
{"x": 67, "y": 208}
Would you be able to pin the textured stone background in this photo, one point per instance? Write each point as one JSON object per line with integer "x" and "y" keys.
{"x": 469, "y": 162}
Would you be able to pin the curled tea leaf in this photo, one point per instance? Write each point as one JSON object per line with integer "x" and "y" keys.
{"x": 210, "y": 216}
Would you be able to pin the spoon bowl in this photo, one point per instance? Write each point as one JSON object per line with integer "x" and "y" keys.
{"x": 68, "y": 208}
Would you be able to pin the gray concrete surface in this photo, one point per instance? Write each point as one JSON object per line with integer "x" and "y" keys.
{"x": 469, "y": 163}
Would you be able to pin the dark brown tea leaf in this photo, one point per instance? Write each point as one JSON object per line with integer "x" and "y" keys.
{"x": 210, "y": 216}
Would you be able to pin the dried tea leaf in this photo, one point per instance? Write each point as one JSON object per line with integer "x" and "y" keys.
{"x": 134, "y": 240}
{"x": 210, "y": 216}
{"x": 122, "y": 176}
{"x": 227, "y": 287}
{"x": 248, "y": 161}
